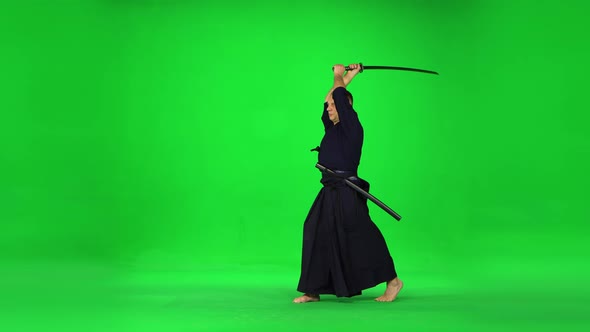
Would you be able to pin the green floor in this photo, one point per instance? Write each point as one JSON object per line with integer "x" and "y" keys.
{"x": 85, "y": 297}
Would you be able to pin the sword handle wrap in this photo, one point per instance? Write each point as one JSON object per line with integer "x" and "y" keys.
{"x": 360, "y": 71}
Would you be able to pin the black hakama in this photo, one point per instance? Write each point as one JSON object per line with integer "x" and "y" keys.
{"x": 343, "y": 250}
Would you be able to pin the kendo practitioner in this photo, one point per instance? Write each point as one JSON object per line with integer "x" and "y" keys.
{"x": 343, "y": 250}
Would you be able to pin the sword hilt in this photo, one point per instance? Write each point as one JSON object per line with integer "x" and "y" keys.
{"x": 360, "y": 71}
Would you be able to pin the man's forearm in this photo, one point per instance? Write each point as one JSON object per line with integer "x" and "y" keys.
{"x": 341, "y": 79}
{"x": 339, "y": 82}
{"x": 347, "y": 78}
{"x": 346, "y": 81}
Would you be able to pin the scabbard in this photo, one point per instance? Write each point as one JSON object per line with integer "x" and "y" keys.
{"x": 362, "y": 192}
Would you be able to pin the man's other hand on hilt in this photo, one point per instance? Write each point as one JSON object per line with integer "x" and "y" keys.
{"x": 355, "y": 68}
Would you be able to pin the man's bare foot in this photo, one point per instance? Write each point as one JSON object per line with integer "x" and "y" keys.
{"x": 393, "y": 287}
{"x": 307, "y": 298}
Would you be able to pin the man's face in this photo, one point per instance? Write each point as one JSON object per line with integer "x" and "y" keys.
{"x": 332, "y": 111}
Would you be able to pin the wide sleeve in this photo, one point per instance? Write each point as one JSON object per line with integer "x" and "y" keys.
{"x": 326, "y": 118}
{"x": 346, "y": 114}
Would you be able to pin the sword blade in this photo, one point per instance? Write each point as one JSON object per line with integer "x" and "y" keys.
{"x": 401, "y": 68}
{"x": 364, "y": 193}
{"x": 363, "y": 67}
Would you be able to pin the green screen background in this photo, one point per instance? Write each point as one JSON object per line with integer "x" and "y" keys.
{"x": 168, "y": 142}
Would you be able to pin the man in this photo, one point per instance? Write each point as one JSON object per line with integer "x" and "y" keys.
{"x": 343, "y": 250}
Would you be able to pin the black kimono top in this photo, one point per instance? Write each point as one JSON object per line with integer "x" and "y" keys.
{"x": 342, "y": 143}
